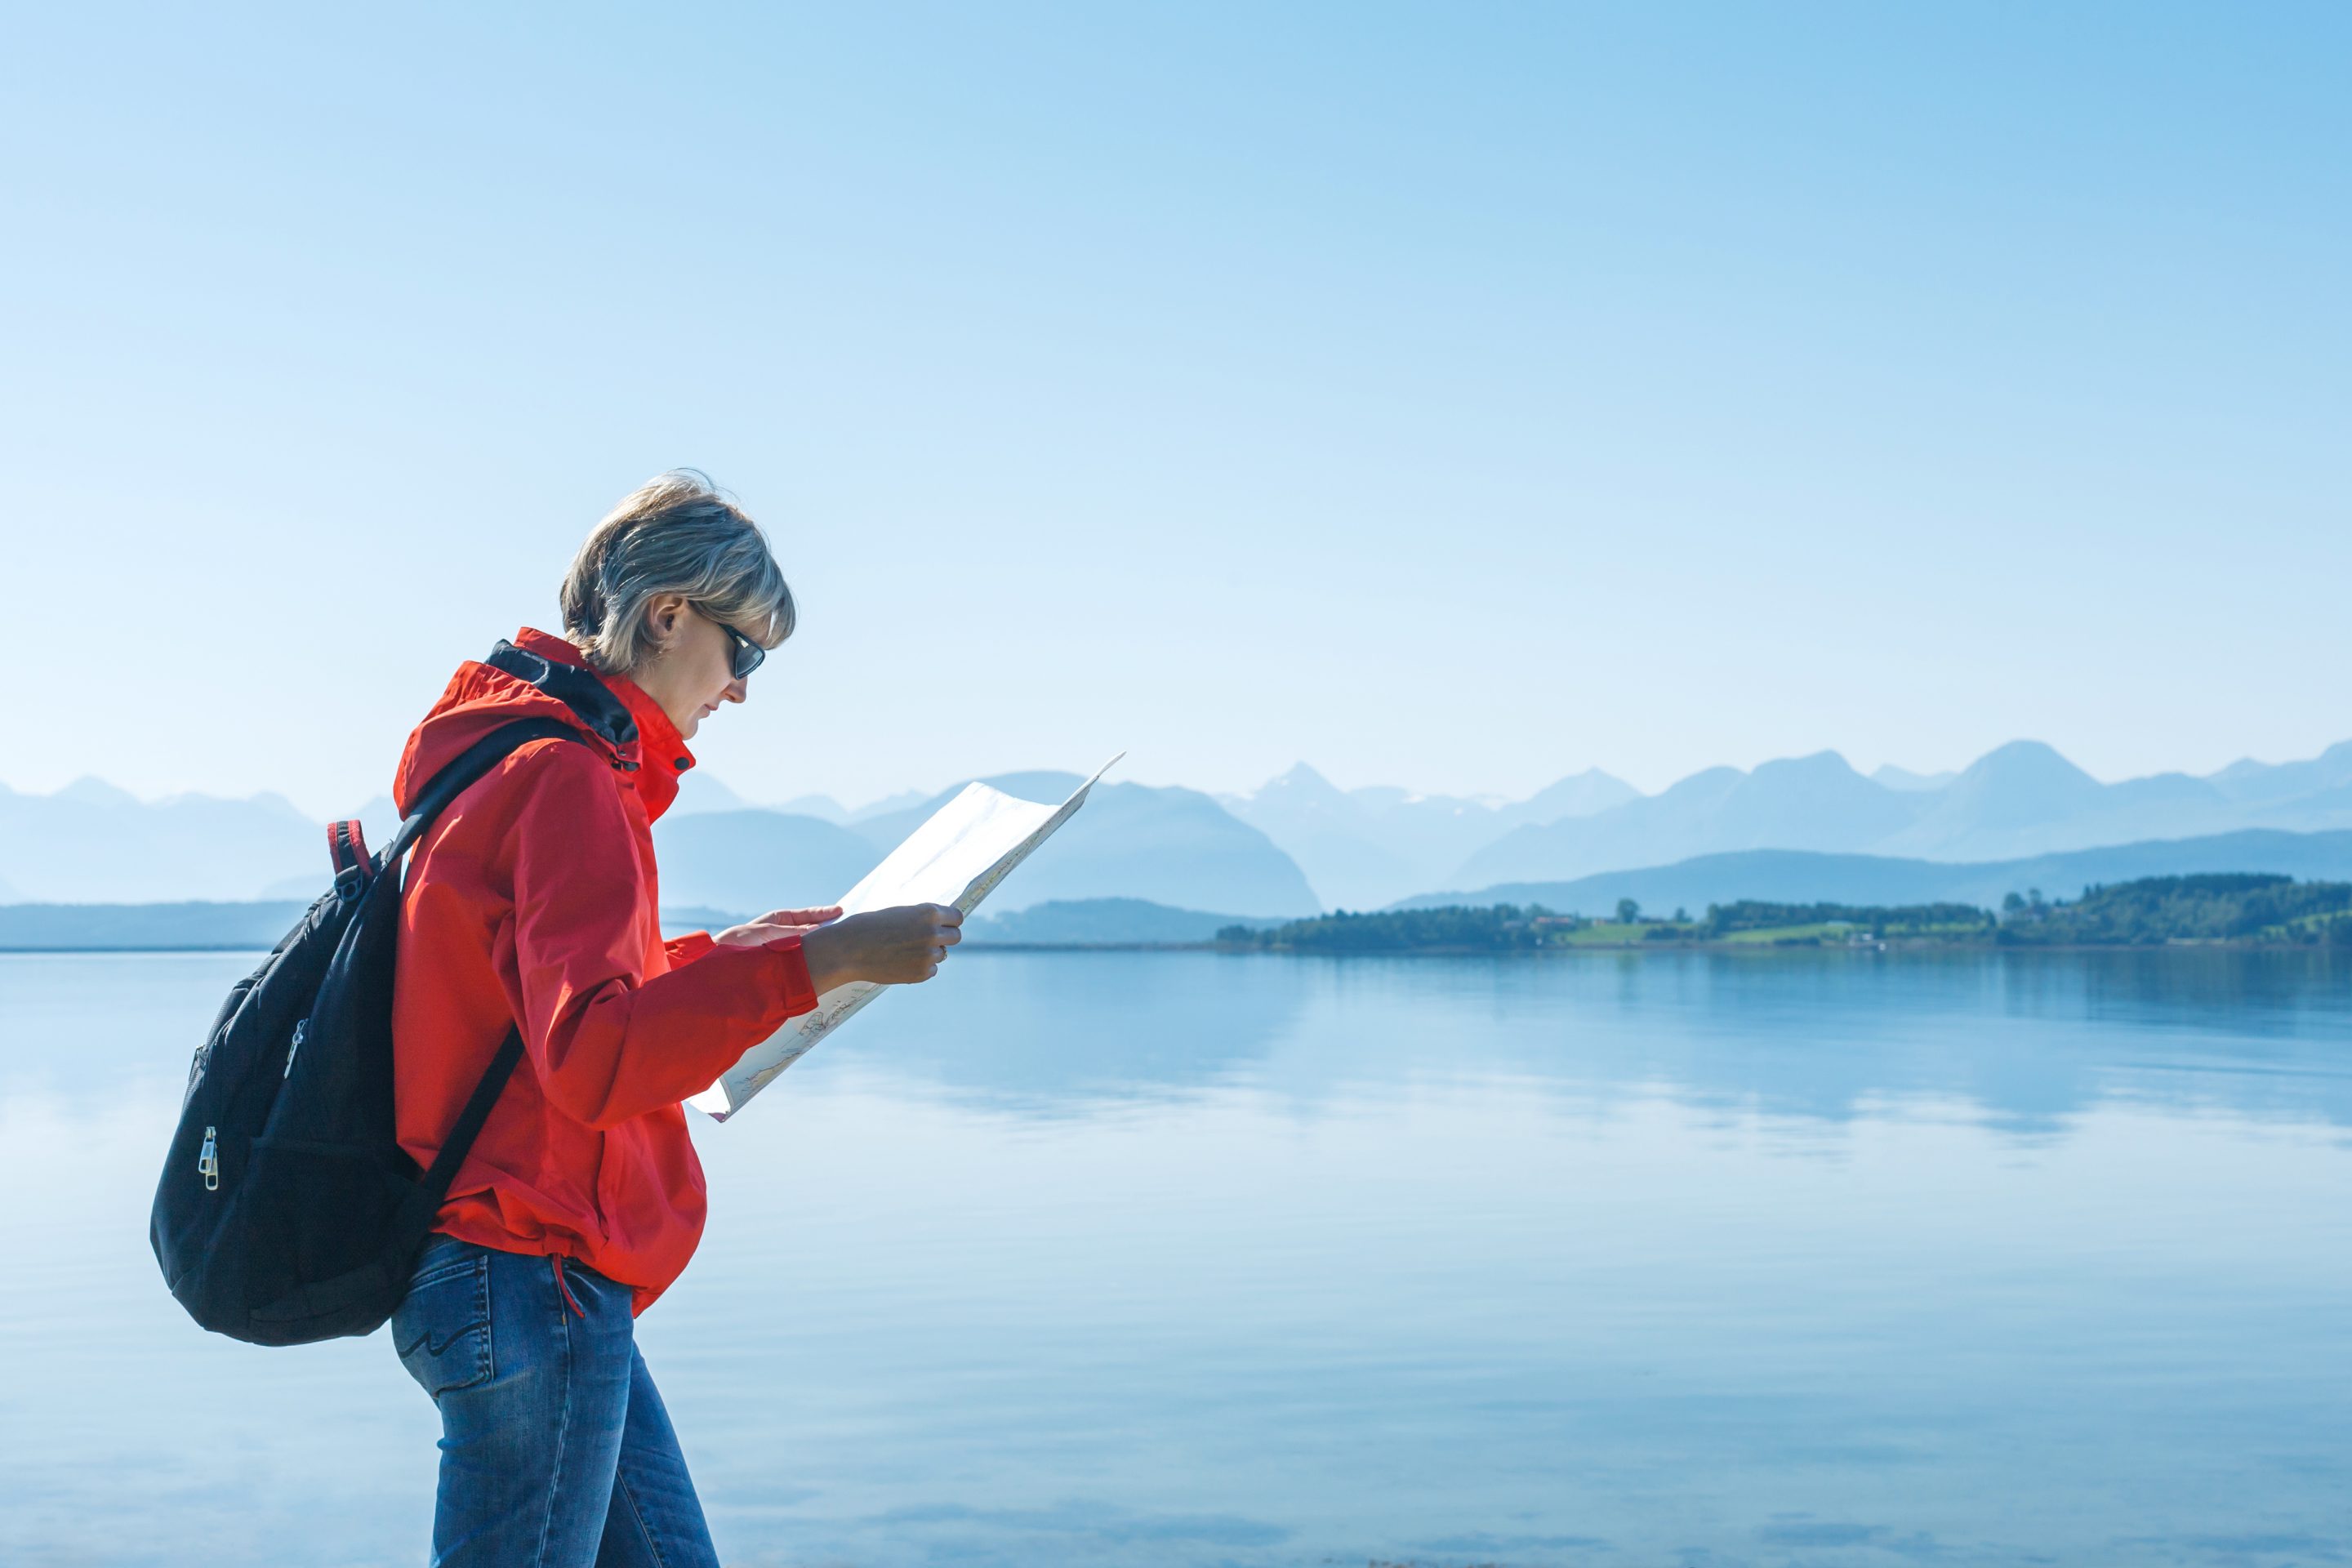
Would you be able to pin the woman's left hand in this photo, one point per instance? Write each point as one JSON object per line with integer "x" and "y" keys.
{"x": 777, "y": 923}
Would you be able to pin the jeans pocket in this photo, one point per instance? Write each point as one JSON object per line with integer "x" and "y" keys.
{"x": 442, "y": 1327}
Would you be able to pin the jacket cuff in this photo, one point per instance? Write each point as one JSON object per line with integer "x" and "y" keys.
{"x": 685, "y": 949}
{"x": 793, "y": 975}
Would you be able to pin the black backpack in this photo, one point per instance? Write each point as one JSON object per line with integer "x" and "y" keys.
{"x": 288, "y": 1211}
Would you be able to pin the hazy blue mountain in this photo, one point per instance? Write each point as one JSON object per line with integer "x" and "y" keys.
{"x": 886, "y": 829}
{"x": 1173, "y": 846}
{"x": 2305, "y": 796}
{"x": 2024, "y": 785}
{"x": 1804, "y": 803}
{"x": 1578, "y": 795}
{"x": 1361, "y": 847}
{"x": 1169, "y": 845}
{"x": 2021, "y": 799}
{"x": 2319, "y": 812}
{"x": 700, "y": 792}
{"x": 1799, "y": 876}
{"x": 2026, "y": 799}
{"x": 1786, "y": 803}
{"x": 1331, "y": 837}
{"x": 1893, "y": 777}
{"x": 887, "y": 805}
{"x": 754, "y": 861}
{"x": 1269, "y": 853}
{"x": 1091, "y": 922}
{"x": 2169, "y": 791}
{"x": 93, "y": 843}
{"x": 2269, "y": 783}
{"x": 823, "y": 807}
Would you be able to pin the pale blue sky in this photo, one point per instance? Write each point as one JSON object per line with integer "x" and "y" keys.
{"x": 1451, "y": 396}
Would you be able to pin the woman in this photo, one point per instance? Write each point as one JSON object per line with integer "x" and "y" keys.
{"x": 533, "y": 902}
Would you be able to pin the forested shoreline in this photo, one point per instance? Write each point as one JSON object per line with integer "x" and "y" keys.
{"x": 2243, "y": 909}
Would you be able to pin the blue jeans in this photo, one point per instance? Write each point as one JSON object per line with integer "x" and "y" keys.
{"x": 555, "y": 1450}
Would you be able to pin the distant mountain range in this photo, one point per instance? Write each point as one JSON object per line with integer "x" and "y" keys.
{"x": 1170, "y": 847}
{"x": 1793, "y": 876}
{"x": 1368, "y": 846}
{"x": 1780, "y": 876}
{"x": 756, "y": 861}
{"x": 2023, "y": 799}
{"x": 1297, "y": 845}
{"x": 92, "y": 843}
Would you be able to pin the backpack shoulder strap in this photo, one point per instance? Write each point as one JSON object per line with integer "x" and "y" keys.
{"x": 469, "y": 765}
{"x": 469, "y": 1125}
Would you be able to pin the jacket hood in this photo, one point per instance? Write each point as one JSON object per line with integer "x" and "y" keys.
{"x": 536, "y": 675}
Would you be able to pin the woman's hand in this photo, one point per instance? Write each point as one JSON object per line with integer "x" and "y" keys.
{"x": 900, "y": 946}
{"x": 777, "y": 923}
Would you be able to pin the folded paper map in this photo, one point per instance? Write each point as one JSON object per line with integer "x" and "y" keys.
{"x": 956, "y": 858}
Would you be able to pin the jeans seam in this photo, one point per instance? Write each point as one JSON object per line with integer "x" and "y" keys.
{"x": 645, "y": 1528}
{"x": 486, "y": 1364}
{"x": 478, "y": 1328}
{"x": 563, "y": 1432}
{"x": 440, "y": 1271}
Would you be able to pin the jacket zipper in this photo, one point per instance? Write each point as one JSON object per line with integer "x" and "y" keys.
{"x": 209, "y": 1163}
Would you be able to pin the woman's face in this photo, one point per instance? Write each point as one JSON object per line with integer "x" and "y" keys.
{"x": 691, "y": 671}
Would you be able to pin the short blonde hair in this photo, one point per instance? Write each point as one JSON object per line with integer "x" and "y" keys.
{"x": 677, "y": 533}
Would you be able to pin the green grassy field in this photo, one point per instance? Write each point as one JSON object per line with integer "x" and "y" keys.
{"x": 1817, "y": 933}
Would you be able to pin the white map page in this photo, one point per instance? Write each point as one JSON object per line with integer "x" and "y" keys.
{"x": 957, "y": 857}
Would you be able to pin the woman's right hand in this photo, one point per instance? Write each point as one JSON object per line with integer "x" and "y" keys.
{"x": 900, "y": 946}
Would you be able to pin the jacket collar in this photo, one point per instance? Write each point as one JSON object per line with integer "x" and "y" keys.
{"x": 612, "y": 706}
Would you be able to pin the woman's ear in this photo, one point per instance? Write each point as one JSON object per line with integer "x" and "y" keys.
{"x": 662, "y": 614}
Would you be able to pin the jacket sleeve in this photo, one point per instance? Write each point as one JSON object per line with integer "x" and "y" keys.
{"x": 685, "y": 949}
{"x": 609, "y": 1042}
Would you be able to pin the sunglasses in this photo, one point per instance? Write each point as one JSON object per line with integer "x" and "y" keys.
{"x": 743, "y": 653}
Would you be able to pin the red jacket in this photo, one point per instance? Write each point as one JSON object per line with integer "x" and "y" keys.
{"x": 533, "y": 900}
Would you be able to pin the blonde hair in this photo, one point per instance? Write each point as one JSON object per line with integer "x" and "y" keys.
{"x": 677, "y": 533}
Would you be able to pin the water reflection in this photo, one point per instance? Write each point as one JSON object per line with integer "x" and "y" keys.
{"x": 2028, "y": 1039}
{"x": 2031, "y": 1039}
{"x": 1152, "y": 1260}
{"x": 1044, "y": 1031}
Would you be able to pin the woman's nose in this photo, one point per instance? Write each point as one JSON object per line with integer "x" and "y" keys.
{"x": 736, "y": 690}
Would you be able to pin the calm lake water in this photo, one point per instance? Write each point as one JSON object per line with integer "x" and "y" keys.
{"x": 1193, "y": 1258}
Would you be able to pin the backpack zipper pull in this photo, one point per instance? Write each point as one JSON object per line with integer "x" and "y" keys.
{"x": 209, "y": 1163}
{"x": 296, "y": 1046}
